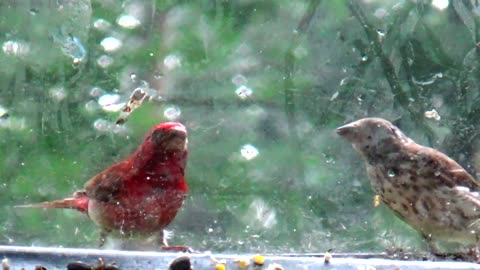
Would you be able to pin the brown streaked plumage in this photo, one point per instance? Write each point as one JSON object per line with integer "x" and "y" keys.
{"x": 423, "y": 186}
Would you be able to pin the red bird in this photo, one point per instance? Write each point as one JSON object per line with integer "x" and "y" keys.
{"x": 140, "y": 195}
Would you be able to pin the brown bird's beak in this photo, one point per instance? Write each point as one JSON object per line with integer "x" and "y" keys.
{"x": 347, "y": 131}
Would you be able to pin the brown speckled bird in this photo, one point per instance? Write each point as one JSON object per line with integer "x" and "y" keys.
{"x": 423, "y": 186}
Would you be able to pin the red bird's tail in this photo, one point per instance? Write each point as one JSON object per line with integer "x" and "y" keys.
{"x": 77, "y": 203}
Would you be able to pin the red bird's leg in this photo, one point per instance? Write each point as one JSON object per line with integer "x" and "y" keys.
{"x": 162, "y": 239}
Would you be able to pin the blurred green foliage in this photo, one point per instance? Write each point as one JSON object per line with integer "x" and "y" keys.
{"x": 311, "y": 65}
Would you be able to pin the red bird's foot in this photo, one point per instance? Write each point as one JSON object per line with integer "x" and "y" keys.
{"x": 178, "y": 249}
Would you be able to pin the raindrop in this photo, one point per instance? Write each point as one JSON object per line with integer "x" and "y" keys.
{"x": 381, "y": 13}
{"x": 172, "y": 112}
{"x": 133, "y": 77}
{"x": 91, "y": 106}
{"x": 15, "y": 48}
{"x": 96, "y": 91}
{"x": 433, "y": 114}
{"x": 440, "y": 4}
{"x": 111, "y": 44}
{"x": 102, "y": 125}
{"x": 3, "y": 113}
{"x": 108, "y": 99}
{"x": 58, "y": 93}
{"x": 104, "y": 61}
{"x": 72, "y": 47}
{"x": 364, "y": 58}
{"x": 111, "y": 102}
{"x": 239, "y": 80}
{"x": 436, "y": 173}
{"x": 243, "y": 92}
{"x": 391, "y": 173}
{"x": 101, "y": 24}
{"x": 210, "y": 230}
{"x": 261, "y": 213}
{"x": 128, "y": 22}
{"x": 172, "y": 61}
{"x": 249, "y": 152}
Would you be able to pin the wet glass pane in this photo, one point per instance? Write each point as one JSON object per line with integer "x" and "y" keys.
{"x": 260, "y": 86}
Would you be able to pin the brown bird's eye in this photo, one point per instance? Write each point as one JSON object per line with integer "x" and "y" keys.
{"x": 369, "y": 137}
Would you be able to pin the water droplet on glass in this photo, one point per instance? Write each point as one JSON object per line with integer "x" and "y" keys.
{"x": 111, "y": 44}
{"x": 96, "y": 91}
{"x": 210, "y": 230}
{"x": 133, "y": 77}
{"x": 249, "y": 152}
{"x": 102, "y": 125}
{"x": 172, "y": 112}
{"x": 243, "y": 92}
{"x": 91, "y": 106}
{"x": 15, "y": 48}
{"x": 3, "y": 112}
{"x": 101, "y": 24}
{"x": 58, "y": 93}
{"x": 433, "y": 114}
{"x": 128, "y": 22}
{"x": 111, "y": 102}
{"x": 436, "y": 173}
{"x": 108, "y": 99}
{"x": 104, "y": 61}
{"x": 260, "y": 213}
{"x": 239, "y": 79}
{"x": 391, "y": 173}
{"x": 380, "y": 13}
{"x": 172, "y": 61}
{"x": 440, "y": 4}
{"x": 72, "y": 47}
{"x": 364, "y": 58}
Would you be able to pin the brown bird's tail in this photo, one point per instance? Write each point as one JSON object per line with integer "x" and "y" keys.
{"x": 77, "y": 203}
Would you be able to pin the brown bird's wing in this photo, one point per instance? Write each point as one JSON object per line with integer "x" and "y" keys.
{"x": 106, "y": 186}
{"x": 432, "y": 163}
{"x": 458, "y": 188}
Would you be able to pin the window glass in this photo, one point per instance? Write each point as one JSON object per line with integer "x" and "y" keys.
{"x": 259, "y": 85}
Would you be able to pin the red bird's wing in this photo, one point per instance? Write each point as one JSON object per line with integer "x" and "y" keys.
{"x": 106, "y": 185}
